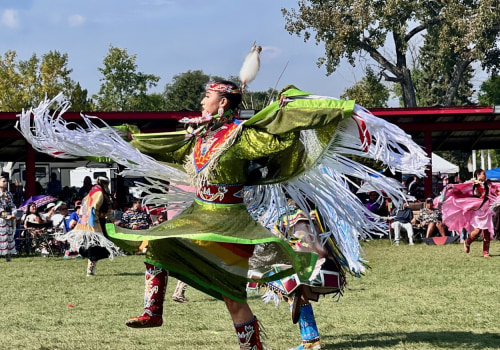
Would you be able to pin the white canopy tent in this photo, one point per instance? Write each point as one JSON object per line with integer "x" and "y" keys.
{"x": 442, "y": 166}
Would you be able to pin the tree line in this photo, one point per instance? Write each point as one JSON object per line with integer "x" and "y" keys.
{"x": 422, "y": 52}
{"x": 25, "y": 83}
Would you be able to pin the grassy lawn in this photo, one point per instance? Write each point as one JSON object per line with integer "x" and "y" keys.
{"x": 414, "y": 297}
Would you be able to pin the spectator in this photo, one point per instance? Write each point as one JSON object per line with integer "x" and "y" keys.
{"x": 116, "y": 213}
{"x": 373, "y": 204}
{"x": 17, "y": 193}
{"x": 135, "y": 218}
{"x": 376, "y": 204}
{"x": 38, "y": 188}
{"x": 85, "y": 189}
{"x": 32, "y": 216}
{"x": 160, "y": 218}
{"x": 415, "y": 188}
{"x": 33, "y": 221}
{"x": 54, "y": 186}
{"x": 60, "y": 216}
{"x": 50, "y": 210}
{"x": 430, "y": 218}
{"x": 72, "y": 252}
{"x": 75, "y": 216}
{"x": 402, "y": 219}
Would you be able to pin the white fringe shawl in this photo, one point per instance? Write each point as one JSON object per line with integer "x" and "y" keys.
{"x": 329, "y": 183}
{"x": 53, "y": 135}
{"x": 79, "y": 238}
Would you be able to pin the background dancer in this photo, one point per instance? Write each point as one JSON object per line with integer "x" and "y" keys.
{"x": 7, "y": 221}
{"x": 468, "y": 205}
{"x": 88, "y": 235}
{"x": 328, "y": 277}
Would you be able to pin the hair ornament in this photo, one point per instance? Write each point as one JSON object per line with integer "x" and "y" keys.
{"x": 222, "y": 88}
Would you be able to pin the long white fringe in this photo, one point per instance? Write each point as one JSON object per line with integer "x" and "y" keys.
{"x": 51, "y": 134}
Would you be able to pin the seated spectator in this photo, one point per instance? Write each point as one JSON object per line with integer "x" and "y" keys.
{"x": 33, "y": 222}
{"x": 430, "y": 218}
{"x": 116, "y": 213}
{"x": 402, "y": 219}
{"x": 135, "y": 218}
{"x": 58, "y": 215}
{"x": 376, "y": 204}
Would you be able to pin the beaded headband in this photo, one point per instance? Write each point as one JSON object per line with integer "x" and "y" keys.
{"x": 222, "y": 88}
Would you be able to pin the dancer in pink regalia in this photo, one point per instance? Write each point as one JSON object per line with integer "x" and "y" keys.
{"x": 468, "y": 205}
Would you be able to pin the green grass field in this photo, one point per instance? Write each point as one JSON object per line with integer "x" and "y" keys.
{"x": 414, "y": 297}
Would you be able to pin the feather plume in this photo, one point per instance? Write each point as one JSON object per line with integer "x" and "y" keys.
{"x": 251, "y": 65}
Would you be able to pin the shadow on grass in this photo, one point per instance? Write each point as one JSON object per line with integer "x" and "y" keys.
{"x": 127, "y": 274}
{"x": 436, "y": 340}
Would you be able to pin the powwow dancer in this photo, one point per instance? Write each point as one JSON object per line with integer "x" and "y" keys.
{"x": 8, "y": 212}
{"x": 88, "y": 235}
{"x": 179, "y": 292}
{"x": 328, "y": 276}
{"x": 298, "y": 143}
{"x": 469, "y": 205}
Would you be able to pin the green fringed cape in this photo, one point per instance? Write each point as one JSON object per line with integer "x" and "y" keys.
{"x": 209, "y": 245}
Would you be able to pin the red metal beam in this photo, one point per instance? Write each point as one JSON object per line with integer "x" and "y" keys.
{"x": 117, "y": 115}
{"x": 492, "y": 125}
{"x": 402, "y": 112}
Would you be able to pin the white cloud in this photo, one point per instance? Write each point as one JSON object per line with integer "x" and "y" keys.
{"x": 76, "y": 20}
{"x": 10, "y": 19}
{"x": 271, "y": 51}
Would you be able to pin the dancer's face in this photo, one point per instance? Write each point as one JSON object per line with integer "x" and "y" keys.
{"x": 211, "y": 102}
{"x": 481, "y": 176}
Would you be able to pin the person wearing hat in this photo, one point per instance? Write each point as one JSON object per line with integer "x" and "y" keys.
{"x": 50, "y": 210}
{"x": 430, "y": 218}
{"x": 59, "y": 213}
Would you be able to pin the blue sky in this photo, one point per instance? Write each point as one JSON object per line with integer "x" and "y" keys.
{"x": 169, "y": 37}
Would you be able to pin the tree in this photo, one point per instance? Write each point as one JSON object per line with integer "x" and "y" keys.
{"x": 10, "y": 83}
{"x": 368, "y": 92}
{"x": 349, "y": 29}
{"x": 433, "y": 75}
{"x": 255, "y": 99}
{"x": 489, "y": 91}
{"x": 26, "y": 83}
{"x": 186, "y": 91}
{"x": 123, "y": 88}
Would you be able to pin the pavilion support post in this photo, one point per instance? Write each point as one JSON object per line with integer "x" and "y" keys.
{"x": 30, "y": 172}
{"x": 428, "y": 172}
